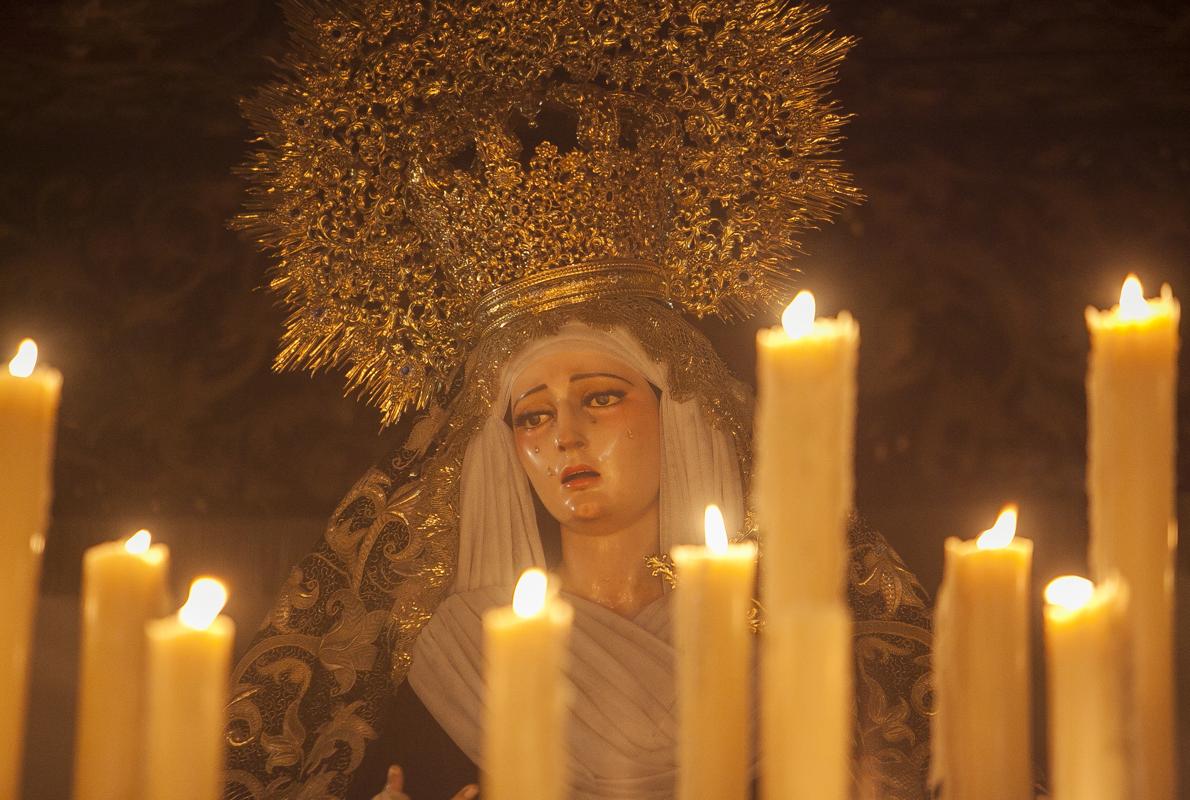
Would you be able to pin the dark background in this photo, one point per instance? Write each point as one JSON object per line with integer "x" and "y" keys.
{"x": 1018, "y": 157}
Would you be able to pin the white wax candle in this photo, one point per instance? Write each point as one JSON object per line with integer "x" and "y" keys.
{"x": 28, "y": 415}
{"x": 1085, "y": 644}
{"x": 1131, "y": 411}
{"x": 123, "y": 588}
{"x": 189, "y": 665}
{"x": 807, "y": 715}
{"x": 526, "y": 702}
{"x": 713, "y": 639}
{"x": 982, "y": 726}
{"x": 805, "y": 433}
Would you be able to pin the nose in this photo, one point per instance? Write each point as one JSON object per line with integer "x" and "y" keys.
{"x": 569, "y": 430}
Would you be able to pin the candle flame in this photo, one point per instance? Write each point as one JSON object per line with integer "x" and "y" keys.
{"x": 715, "y": 529}
{"x": 138, "y": 543}
{"x": 23, "y": 363}
{"x": 1070, "y": 592}
{"x": 206, "y": 600}
{"x": 1001, "y": 534}
{"x": 1133, "y": 305}
{"x": 528, "y": 599}
{"x": 798, "y": 318}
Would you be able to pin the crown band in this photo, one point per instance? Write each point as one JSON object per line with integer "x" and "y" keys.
{"x": 569, "y": 285}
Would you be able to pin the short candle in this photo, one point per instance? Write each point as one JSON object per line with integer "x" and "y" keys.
{"x": 1086, "y": 645}
{"x": 526, "y": 702}
{"x": 712, "y": 599}
{"x": 124, "y": 586}
{"x": 189, "y": 663}
{"x": 982, "y": 728}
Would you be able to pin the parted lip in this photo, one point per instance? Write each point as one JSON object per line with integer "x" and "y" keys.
{"x": 570, "y": 472}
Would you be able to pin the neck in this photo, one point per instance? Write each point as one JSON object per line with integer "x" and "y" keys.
{"x": 609, "y": 568}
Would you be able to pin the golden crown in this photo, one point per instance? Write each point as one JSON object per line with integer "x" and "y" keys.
{"x": 428, "y": 169}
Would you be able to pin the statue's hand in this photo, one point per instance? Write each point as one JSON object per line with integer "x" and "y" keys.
{"x": 394, "y": 788}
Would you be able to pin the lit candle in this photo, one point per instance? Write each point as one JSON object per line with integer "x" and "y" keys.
{"x": 713, "y": 640}
{"x": 123, "y": 588}
{"x": 526, "y": 702}
{"x": 1131, "y": 411}
{"x": 189, "y": 664}
{"x": 805, "y": 433}
{"x": 28, "y": 414}
{"x": 1085, "y": 643}
{"x": 982, "y": 726}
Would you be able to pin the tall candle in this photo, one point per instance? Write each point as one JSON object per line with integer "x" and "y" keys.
{"x": 28, "y": 413}
{"x": 714, "y": 643}
{"x": 123, "y": 588}
{"x": 805, "y": 434}
{"x": 1085, "y": 646}
{"x": 526, "y": 702}
{"x": 982, "y": 727}
{"x": 1131, "y": 390}
{"x": 189, "y": 664}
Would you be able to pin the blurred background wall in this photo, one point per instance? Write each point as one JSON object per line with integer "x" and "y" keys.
{"x": 1019, "y": 156}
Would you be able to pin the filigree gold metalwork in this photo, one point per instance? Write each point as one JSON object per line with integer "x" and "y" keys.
{"x": 417, "y": 156}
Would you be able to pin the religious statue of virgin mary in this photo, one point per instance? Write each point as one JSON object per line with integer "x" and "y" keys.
{"x": 503, "y": 217}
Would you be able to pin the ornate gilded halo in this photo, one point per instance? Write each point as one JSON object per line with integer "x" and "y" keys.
{"x": 418, "y": 158}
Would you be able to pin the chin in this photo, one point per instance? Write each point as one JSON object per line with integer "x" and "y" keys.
{"x": 587, "y": 511}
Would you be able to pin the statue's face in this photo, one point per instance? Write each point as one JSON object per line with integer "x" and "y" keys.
{"x": 587, "y": 430}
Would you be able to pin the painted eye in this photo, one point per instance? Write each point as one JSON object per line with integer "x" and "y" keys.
{"x": 531, "y": 419}
{"x": 604, "y": 399}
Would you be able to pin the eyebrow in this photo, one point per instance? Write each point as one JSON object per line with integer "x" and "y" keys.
{"x": 578, "y": 376}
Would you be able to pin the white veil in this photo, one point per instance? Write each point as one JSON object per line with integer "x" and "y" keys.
{"x": 498, "y": 536}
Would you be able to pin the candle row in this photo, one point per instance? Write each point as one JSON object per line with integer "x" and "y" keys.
{"x": 982, "y": 729}
{"x": 152, "y": 692}
{"x": 1109, "y": 648}
{"x": 163, "y": 678}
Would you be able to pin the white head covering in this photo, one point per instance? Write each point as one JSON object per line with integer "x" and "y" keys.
{"x": 498, "y": 536}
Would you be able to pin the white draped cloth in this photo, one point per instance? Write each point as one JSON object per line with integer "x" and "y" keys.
{"x": 623, "y": 724}
{"x": 622, "y": 732}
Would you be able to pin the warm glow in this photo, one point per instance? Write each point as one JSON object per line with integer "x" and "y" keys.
{"x": 1069, "y": 592}
{"x": 206, "y": 600}
{"x": 716, "y": 531}
{"x": 26, "y": 359}
{"x": 1001, "y": 534}
{"x": 798, "y": 319}
{"x": 1133, "y": 305}
{"x": 528, "y": 599}
{"x": 138, "y": 543}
